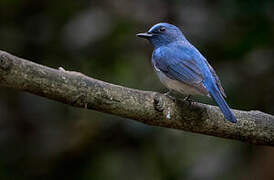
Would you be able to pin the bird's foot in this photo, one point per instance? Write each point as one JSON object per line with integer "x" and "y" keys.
{"x": 168, "y": 95}
{"x": 188, "y": 99}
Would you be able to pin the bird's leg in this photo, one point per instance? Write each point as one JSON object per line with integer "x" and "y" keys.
{"x": 168, "y": 95}
{"x": 188, "y": 99}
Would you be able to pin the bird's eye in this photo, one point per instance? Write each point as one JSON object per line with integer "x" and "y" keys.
{"x": 162, "y": 29}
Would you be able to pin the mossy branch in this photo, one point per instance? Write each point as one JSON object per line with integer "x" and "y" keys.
{"x": 150, "y": 108}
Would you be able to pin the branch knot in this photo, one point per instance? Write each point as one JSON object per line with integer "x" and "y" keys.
{"x": 158, "y": 103}
{"x": 4, "y": 60}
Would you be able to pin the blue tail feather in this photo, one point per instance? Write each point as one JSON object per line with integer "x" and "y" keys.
{"x": 218, "y": 98}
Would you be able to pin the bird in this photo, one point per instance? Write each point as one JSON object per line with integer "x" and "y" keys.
{"x": 182, "y": 68}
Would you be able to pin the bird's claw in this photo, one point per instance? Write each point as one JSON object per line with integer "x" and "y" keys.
{"x": 188, "y": 99}
{"x": 169, "y": 96}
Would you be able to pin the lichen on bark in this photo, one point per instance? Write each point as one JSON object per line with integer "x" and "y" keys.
{"x": 150, "y": 108}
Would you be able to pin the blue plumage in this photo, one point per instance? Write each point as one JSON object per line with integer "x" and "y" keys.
{"x": 181, "y": 67}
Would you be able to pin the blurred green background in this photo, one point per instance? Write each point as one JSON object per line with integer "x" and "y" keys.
{"x": 40, "y": 138}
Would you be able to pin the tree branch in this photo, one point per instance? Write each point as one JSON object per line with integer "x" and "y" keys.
{"x": 150, "y": 108}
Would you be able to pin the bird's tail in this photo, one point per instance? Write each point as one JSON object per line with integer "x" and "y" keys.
{"x": 218, "y": 98}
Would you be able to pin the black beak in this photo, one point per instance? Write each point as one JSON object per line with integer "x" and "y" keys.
{"x": 145, "y": 35}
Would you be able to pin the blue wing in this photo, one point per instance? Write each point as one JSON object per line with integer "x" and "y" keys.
{"x": 178, "y": 64}
{"x": 181, "y": 63}
{"x": 218, "y": 82}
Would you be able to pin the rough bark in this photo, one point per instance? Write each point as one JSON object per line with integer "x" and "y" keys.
{"x": 150, "y": 108}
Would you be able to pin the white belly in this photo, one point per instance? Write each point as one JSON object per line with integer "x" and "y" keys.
{"x": 178, "y": 86}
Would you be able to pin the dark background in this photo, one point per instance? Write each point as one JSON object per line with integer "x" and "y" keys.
{"x": 40, "y": 138}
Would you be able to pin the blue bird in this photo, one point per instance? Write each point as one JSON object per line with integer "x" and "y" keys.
{"x": 182, "y": 68}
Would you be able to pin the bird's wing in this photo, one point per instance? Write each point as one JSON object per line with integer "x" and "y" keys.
{"x": 218, "y": 82}
{"x": 178, "y": 64}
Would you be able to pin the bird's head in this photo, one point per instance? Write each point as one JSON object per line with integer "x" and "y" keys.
{"x": 162, "y": 34}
